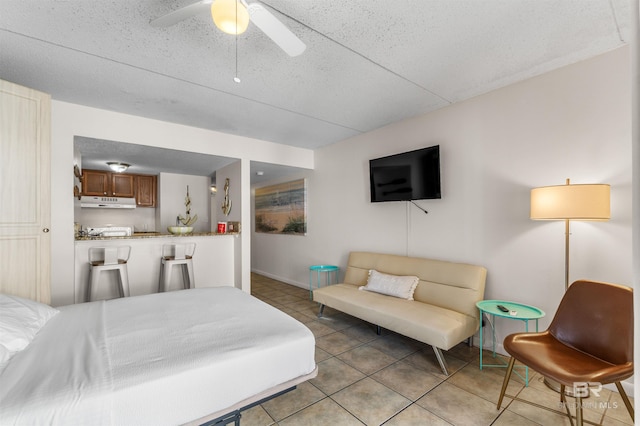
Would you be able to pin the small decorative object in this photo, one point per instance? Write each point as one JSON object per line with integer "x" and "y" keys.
{"x": 222, "y": 227}
{"x": 187, "y": 220}
{"x": 233, "y": 226}
{"x": 226, "y": 204}
{"x": 76, "y": 191}
{"x": 76, "y": 171}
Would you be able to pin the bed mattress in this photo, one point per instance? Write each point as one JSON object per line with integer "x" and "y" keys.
{"x": 165, "y": 358}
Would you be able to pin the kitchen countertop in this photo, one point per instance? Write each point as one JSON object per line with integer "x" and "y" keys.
{"x": 138, "y": 235}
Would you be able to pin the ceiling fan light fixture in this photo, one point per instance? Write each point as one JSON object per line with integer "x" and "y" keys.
{"x": 224, "y": 16}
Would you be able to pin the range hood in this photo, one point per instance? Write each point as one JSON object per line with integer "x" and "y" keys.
{"x": 108, "y": 202}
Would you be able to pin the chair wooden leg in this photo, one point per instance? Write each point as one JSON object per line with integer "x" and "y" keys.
{"x": 505, "y": 383}
{"x": 625, "y": 398}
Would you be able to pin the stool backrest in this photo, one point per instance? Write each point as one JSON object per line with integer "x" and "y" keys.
{"x": 109, "y": 255}
{"x": 178, "y": 251}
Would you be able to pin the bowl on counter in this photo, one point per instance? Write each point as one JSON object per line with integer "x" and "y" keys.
{"x": 179, "y": 230}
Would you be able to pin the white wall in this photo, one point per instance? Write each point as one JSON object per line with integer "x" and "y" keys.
{"x": 70, "y": 120}
{"x": 570, "y": 123}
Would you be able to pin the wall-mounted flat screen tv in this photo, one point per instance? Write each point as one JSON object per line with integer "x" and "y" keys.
{"x": 413, "y": 175}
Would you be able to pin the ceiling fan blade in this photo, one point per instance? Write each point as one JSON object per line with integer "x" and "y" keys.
{"x": 275, "y": 30}
{"x": 181, "y": 14}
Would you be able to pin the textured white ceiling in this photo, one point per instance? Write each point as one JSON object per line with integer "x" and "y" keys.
{"x": 368, "y": 63}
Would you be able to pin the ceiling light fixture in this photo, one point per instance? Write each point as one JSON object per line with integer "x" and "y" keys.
{"x": 117, "y": 166}
{"x": 224, "y": 16}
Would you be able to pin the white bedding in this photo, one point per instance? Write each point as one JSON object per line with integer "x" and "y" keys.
{"x": 165, "y": 358}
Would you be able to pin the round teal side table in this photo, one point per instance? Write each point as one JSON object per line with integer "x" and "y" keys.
{"x": 319, "y": 270}
{"x": 517, "y": 311}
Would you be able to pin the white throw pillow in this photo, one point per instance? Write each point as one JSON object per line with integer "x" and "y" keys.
{"x": 20, "y": 321}
{"x": 391, "y": 285}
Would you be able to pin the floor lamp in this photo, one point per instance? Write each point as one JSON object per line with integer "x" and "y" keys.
{"x": 570, "y": 202}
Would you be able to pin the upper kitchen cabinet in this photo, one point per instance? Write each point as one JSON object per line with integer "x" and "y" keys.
{"x": 146, "y": 189}
{"x": 122, "y": 185}
{"x": 95, "y": 182}
{"x": 101, "y": 183}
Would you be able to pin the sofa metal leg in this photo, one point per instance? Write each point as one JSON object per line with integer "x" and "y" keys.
{"x": 441, "y": 360}
{"x": 321, "y": 311}
{"x": 378, "y": 330}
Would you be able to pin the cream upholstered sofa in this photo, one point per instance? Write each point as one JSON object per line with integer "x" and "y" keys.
{"x": 442, "y": 314}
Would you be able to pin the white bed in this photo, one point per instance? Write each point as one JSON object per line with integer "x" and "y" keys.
{"x": 169, "y": 358}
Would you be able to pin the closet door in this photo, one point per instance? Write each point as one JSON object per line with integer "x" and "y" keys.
{"x": 25, "y": 216}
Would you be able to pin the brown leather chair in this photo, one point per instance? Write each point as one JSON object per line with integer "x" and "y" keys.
{"x": 590, "y": 340}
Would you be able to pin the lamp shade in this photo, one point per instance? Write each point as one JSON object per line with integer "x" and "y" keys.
{"x": 230, "y": 16}
{"x": 575, "y": 202}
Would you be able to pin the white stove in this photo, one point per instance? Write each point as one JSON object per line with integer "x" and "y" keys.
{"x": 109, "y": 231}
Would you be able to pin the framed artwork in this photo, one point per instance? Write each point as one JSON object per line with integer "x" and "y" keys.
{"x": 282, "y": 208}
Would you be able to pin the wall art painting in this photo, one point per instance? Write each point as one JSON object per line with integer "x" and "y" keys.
{"x": 282, "y": 208}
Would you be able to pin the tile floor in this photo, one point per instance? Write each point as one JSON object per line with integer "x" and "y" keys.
{"x": 368, "y": 379}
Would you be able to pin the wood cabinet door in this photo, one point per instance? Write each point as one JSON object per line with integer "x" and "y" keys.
{"x": 146, "y": 190}
{"x": 25, "y": 200}
{"x": 95, "y": 182}
{"x": 122, "y": 185}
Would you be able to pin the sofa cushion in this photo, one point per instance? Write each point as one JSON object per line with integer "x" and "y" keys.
{"x": 401, "y": 286}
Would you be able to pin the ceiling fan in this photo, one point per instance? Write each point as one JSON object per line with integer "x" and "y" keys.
{"x": 233, "y": 16}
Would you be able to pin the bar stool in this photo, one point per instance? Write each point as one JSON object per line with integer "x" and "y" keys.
{"x": 177, "y": 254}
{"x": 318, "y": 269}
{"x": 108, "y": 259}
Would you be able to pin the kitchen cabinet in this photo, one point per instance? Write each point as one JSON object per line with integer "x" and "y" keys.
{"x": 95, "y": 182}
{"x": 101, "y": 183}
{"x": 122, "y": 185}
{"x": 146, "y": 189}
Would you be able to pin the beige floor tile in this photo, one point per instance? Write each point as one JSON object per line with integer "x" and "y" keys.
{"x": 426, "y": 359}
{"x": 336, "y": 343}
{"x": 286, "y": 299}
{"x": 394, "y": 346}
{"x": 321, "y": 355}
{"x": 370, "y": 401}
{"x": 458, "y": 406}
{"x": 538, "y": 415}
{"x": 465, "y": 352}
{"x": 334, "y": 375}
{"x": 509, "y": 418}
{"x": 483, "y": 383}
{"x": 291, "y": 402}
{"x": 363, "y": 332}
{"x": 323, "y": 413}
{"x": 256, "y": 416}
{"x": 414, "y": 415}
{"x": 367, "y": 359}
{"x": 318, "y": 328}
{"x": 407, "y": 380}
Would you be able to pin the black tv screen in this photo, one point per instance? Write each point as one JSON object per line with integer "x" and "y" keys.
{"x": 413, "y": 175}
